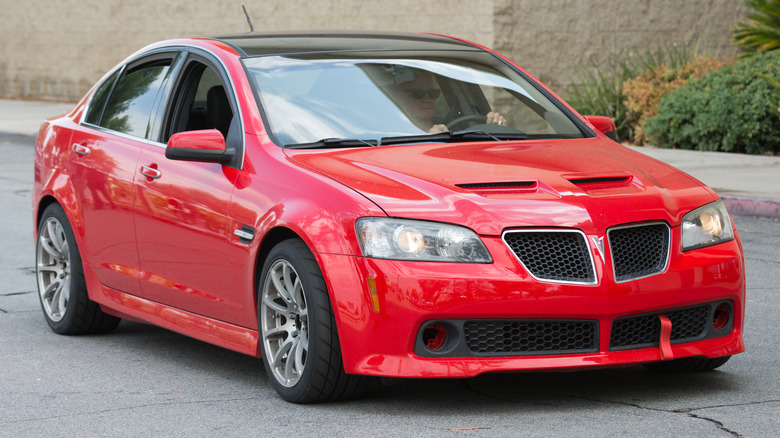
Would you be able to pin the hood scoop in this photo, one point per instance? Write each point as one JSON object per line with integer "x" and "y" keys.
{"x": 500, "y": 189}
{"x": 600, "y": 182}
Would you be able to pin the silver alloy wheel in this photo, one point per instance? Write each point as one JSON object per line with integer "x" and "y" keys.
{"x": 284, "y": 319}
{"x": 53, "y": 269}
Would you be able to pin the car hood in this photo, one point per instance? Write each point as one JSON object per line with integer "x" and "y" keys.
{"x": 590, "y": 184}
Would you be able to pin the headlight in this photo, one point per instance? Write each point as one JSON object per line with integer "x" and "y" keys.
{"x": 705, "y": 226}
{"x": 401, "y": 239}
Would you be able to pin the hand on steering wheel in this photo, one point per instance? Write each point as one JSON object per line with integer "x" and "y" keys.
{"x": 466, "y": 121}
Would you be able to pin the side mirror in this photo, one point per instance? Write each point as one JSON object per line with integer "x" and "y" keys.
{"x": 605, "y": 125}
{"x": 206, "y": 145}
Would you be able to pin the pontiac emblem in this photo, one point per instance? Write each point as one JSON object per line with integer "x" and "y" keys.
{"x": 599, "y": 243}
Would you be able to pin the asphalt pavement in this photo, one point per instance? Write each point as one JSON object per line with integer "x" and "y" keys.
{"x": 142, "y": 380}
{"x": 748, "y": 184}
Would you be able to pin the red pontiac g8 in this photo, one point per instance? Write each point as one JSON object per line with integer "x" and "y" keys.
{"x": 349, "y": 205}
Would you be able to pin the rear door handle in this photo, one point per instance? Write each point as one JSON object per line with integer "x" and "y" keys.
{"x": 80, "y": 149}
{"x": 150, "y": 172}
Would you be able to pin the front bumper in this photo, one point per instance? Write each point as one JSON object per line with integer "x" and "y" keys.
{"x": 380, "y": 335}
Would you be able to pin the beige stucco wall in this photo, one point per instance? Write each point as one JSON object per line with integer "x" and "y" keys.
{"x": 545, "y": 36}
{"x": 56, "y": 49}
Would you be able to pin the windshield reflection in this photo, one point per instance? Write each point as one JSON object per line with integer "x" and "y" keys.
{"x": 306, "y": 100}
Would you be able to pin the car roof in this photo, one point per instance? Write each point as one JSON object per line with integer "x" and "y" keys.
{"x": 263, "y": 44}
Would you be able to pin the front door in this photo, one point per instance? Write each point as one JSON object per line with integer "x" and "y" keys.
{"x": 182, "y": 207}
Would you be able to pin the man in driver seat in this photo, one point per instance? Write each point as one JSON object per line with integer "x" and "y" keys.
{"x": 416, "y": 95}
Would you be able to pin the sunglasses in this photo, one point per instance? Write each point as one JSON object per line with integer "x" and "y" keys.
{"x": 433, "y": 93}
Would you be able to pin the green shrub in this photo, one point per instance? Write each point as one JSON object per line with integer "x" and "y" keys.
{"x": 645, "y": 91}
{"x": 597, "y": 86}
{"x": 732, "y": 109}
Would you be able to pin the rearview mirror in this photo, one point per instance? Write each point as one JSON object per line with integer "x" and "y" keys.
{"x": 605, "y": 125}
{"x": 206, "y": 145}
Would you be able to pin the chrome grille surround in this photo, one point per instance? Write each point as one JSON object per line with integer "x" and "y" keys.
{"x": 639, "y": 250}
{"x": 553, "y": 255}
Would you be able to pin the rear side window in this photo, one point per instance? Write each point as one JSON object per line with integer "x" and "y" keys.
{"x": 99, "y": 99}
{"x": 130, "y": 106}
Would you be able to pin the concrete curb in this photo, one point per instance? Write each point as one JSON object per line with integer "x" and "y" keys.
{"x": 746, "y": 206}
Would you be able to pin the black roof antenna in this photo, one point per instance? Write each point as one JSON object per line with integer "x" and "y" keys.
{"x": 248, "y": 20}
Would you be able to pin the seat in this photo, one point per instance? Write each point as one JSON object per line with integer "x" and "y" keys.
{"x": 218, "y": 109}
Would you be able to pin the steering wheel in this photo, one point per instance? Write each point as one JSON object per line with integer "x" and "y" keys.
{"x": 469, "y": 120}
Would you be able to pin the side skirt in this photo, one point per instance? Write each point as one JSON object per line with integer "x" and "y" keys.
{"x": 114, "y": 302}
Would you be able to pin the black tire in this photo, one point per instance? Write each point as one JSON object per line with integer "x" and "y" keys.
{"x": 300, "y": 344}
{"x": 688, "y": 365}
{"x": 62, "y": 289}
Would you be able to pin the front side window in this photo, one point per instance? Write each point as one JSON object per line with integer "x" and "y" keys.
{"x": 130, "y": 106}
{"x": 201, "y": 102}
{"x": 323, "y": 96}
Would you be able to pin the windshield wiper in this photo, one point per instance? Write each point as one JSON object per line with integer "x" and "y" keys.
{"x": 328, "y": 143}
{"x": 454, "y": 136}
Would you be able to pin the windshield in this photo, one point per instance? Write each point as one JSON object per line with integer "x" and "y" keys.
{"x": 312, "y": 97}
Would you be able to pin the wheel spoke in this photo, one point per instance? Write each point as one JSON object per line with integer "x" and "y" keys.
{"x": 55, "y": 234}
{"x": 301, "y": 349}
{"x": 274, "y": 306}
{"x": 48, "y": 246}
{"x": 298, "y": 294}
{"x": 50, "y": 291}
{"x": 289, "y": 365}
{"x": 278, "y": 282}
{"x": 279, "y": 357}
{"x": 289, "y": 283}
{"x": 275, "y": 332}
{"x": 49, "y": 267}
{"x": 58, "y": 300}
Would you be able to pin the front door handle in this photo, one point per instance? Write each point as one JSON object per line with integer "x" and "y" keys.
{"x": 150, "y": 172}
{"x": 80, "y": 149}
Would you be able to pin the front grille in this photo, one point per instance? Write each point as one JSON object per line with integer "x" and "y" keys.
{"x": 518, "y": 337}
{"x": 553, "y": 255}
{"x": 688, "y": 324}
{"x": 639, "y": 251}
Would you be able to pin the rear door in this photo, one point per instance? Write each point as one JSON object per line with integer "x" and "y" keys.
{"x": 104, "y": 153}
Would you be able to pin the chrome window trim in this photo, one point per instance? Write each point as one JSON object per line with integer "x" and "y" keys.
{"x": 641, "y": 224}
{"x": 554, "y": 230}
{"x": 125, "y": 136}
{"x": 177, "y": 47}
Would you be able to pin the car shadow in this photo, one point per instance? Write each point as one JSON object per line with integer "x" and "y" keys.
{"x": 489, "y": 393}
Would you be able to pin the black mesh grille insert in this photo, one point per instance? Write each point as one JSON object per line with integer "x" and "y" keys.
{"x": 553, "y": 255}
{"x": 639, "y": 251}
{"x": 530, "y": 336}
{"x": 644, "y": 330}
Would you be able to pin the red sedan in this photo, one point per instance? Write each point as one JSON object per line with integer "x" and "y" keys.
{"x": 348, "y": 205}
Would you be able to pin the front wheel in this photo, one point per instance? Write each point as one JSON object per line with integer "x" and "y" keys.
{"x": 61, "y": 286}
{"x": 300, "y": 344}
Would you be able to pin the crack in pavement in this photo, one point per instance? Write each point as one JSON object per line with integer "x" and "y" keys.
{"x": 168, "y": 402}
{"x": 688, "y": 412}
{"x": 10, "y": 294}
{"x": 717, "y": 423}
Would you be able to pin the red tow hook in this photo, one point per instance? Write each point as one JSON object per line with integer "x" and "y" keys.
{"x": 666, "y": 338}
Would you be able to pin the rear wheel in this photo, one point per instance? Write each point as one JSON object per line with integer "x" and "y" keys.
{"x": 688, "y": 365}
{"x": 61, "y": 286}
{"x": 301, "y": 350}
